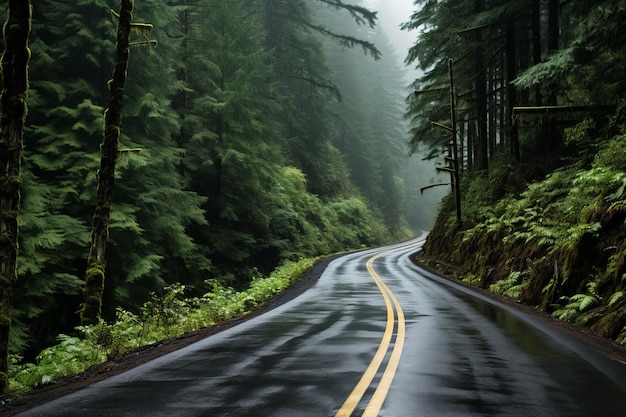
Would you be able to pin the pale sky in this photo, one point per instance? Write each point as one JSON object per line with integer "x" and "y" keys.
{"x": 391, "y": 14}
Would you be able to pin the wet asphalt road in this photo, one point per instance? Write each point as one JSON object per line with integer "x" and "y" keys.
{"x": 462, "y": 356}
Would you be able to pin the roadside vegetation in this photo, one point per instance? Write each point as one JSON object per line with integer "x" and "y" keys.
{"x": 558, "y": 243}
{"x": 541, "y": 132}
{"x": 165, "y": 316}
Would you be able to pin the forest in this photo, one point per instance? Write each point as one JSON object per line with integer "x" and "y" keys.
{"x": 539, "y": 115}
{"x": 207, "y": 146}
{"x": 250, "y": 137}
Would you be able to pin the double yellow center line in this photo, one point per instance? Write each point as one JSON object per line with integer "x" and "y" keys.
{"x": 376, "y": 402}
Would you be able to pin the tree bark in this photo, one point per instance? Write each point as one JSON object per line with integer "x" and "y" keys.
{"x": 553, "y": 40}
{"x": 536, "y": 36}
{"x": 15, "y": 75}
{"x": 511, "y": 93}
{"x": 94, "y": 278}
{"x": 481, "y": 95}
{"x": 554, "y": 8}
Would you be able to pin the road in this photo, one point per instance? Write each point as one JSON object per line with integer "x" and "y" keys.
{"x": 375, "y": 336}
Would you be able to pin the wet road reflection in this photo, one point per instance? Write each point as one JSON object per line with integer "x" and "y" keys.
{"x": 463, "y": 356}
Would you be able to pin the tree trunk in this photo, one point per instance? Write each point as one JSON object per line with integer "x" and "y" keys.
{"x": 553, "y": 40}
{"x": 511, "y": 93}
{"x": 536, "y": 35}
{"x": 15, "y": 75}
{"x": 554, "y": 7}
{"x": 481, "y": 95}
{"x": 94, "y": 278}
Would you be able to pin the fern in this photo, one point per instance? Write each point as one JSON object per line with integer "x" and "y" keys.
{"x": 617, "y": 298}
{"x": 578, "y": 305}
{"x": 583, "y": 302}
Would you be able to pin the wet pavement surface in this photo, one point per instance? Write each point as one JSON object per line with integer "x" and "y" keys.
{"x": 464, "y": 355}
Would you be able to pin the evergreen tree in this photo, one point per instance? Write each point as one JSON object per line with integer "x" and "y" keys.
{"x": 228, "y": 157}
{"x": 155, "y": 211}
{"x": 304, "y": 84}
{"x": 94, "y": 278}
{"x": 503, "y": 38}
{"x": 369, "y": 131}
{"x": 71, "y": 58}
{"x": 231, "y": 160}
{"x": 145, "y": 250}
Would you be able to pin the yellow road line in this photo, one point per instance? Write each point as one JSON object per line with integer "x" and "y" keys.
{"x": 357, "y": 393}
{"x": 380, "y": 394}
{"x": 366, "y": 379}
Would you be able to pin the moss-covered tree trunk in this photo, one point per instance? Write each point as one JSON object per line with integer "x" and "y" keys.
{"x": 15, "y": 76}
{"x": 94, "y": 278}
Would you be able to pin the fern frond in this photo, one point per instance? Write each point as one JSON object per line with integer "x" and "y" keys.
{"x": 586, "y": 302}
{"x": 617, "y": 297}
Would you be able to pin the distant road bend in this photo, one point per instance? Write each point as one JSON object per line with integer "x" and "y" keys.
{"x": 376, "y": 336}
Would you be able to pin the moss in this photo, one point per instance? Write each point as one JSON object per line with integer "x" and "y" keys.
{"x": 611, "y": 324}
{"x": 90, "y": 311}
{"x": 10, "y": 184}
{"x": 95, "y": 277}
{"x": 94, "y": 285}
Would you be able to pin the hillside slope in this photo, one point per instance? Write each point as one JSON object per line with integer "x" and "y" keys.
{"x": 555, "y": 241}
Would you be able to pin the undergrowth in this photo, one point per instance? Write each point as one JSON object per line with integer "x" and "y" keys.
{"x": 164, "y": 316}
{"x": 557, "y": 242}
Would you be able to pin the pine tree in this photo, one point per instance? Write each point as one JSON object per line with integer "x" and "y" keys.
{"x": 497, "y": 33}
{"x": 94, "y": 279}
{"x": 304, "y": 83}
{"x": 231, "y": 159}
{"x": 369, "y": 131}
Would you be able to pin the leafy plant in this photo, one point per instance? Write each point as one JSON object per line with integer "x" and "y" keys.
{"x": 164, "y": 316}
{"x": 512, "y": 286}
{"x": 578, "y": 305}
{"x": 70, "y": 356}
{"x": 618, "y": 298}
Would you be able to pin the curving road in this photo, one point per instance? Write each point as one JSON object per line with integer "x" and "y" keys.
{"x": 375, "y": 336}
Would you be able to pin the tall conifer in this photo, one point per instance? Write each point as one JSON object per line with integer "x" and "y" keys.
{"x": 94, "y": 278}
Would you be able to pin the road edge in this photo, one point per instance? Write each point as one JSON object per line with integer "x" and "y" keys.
{"x": 145, "y": 354}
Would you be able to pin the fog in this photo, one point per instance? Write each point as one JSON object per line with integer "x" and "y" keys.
{"x": 391, "y": 15}
{"x": 421, "y": 208}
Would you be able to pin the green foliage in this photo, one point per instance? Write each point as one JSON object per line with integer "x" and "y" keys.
{"x": 580, "y": 67}
{"x": 549, "y": 72}
{"x": 579, "y": 133}
{"x": 618, "y": 298}
{"x": 577, "y": 306}
{"x": 164, "y": 316}
{"x": 613, "y": 154}
{"x": 511, "y": 286}
{"x": 71, "y": 355}
{"x": 240, "y": 167}
{"x": 556, "y": 242}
